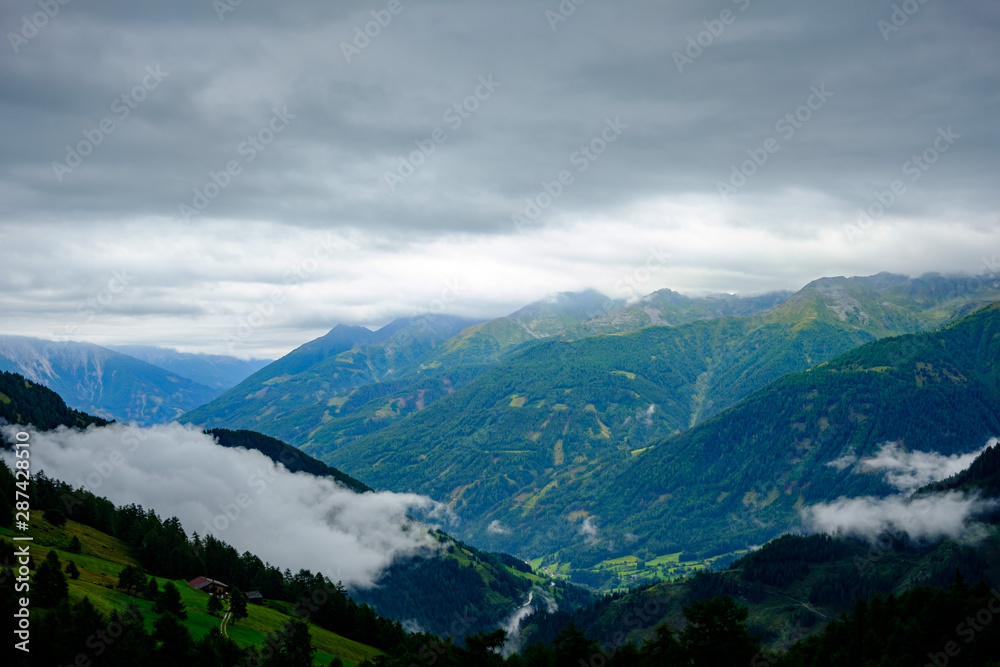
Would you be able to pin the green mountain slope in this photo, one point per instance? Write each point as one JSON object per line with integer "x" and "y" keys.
{"x": 870, "y": 307}
{"x": 527, "y": 443}
{"x": 740, "y": 477}
{"x": 24, "y": 402}
{"x": 293, "y": 459}
{"x": 292, "y": 396}
{"x": 461, "y": 584}
{"x": 668, "y": 308}
{"x": 793, "y": 587}
{"x": 294, "y": 413}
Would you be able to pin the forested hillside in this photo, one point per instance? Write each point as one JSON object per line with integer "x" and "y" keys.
{"x": 740, "y": 477}
{"x": 532, "y": 448}
{"x": 24, "y": 402}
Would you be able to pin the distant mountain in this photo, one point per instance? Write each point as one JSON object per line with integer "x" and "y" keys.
{"x": 668, "y": 308}
{"x": 290, "y": 397}
{"x": 520, "y": 448}
{"x": 512, "y": 421}
{"x": 444, "y": 367}
{"x": 212, "y": 370}
{"x": 489, "y": 342}
{"x": 103, "y": 382}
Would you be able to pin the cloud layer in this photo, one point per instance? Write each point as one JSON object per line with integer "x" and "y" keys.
{"x": 922, "y": 517}
{"x": 262, "y": 122}
{"x": 908, "y": 471}
{"x": 292, "y": 520}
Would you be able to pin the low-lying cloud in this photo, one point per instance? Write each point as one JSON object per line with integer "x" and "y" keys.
{"x": 927, "y": 517}
{"x": 292, "y": 520}
{"x": 908, "y": 471}
{"x": 921, "y": 517}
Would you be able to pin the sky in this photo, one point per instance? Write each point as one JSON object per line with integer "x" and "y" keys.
{"x": 169, "y": 171}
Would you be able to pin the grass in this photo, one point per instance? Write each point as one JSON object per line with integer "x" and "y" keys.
{"x": 629, "y": 570}
{"x": 103, "y": 557}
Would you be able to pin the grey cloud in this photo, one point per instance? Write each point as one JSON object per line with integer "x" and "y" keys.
{"x": 292, "y": 520}
{"x": 922, "y": 518}
{"x": 353, "y": 121}
{"x": 910, "y": 470}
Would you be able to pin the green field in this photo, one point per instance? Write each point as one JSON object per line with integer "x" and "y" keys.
{"x": 628, "y": 571}
{"x": 103, "y": 557}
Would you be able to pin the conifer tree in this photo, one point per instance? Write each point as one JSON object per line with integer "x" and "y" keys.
{"x": 50, "y": 583}
{"x": 169, "y": 601}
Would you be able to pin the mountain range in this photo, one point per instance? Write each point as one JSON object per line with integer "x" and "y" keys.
{"x": 728, "y": 470}
{"x": 133, "y": 384}
{"x": 529, "y": 426}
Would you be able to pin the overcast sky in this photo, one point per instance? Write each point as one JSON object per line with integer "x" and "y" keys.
{"x": 320, "y": 212}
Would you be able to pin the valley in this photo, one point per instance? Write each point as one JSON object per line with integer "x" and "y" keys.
{"x": 527, "y": 429}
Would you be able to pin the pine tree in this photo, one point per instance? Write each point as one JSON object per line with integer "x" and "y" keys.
{"x": 296, "y": 646}
{"x": 75, "y": 546}
{"x": 237, "y": 605}
{"x": 72, "y": 570}
{"x": 214, "y": 604}
{"x": 55, "y": 516}
{"x": 716, "y": 634}
{"x": 152, "y": 590}
{"x": 169, "y": 602}
{"x": 172, "y": 638}
{"x": 50, "y": 584}
{"x": 131, "y": 579}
